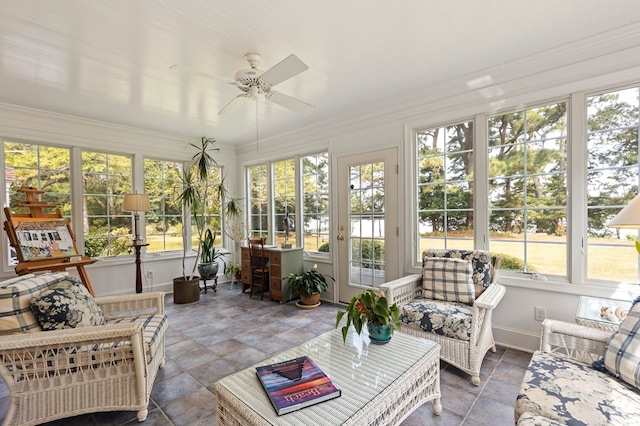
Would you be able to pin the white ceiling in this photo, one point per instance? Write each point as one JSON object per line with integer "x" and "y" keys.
{"x": 109, "y": 60}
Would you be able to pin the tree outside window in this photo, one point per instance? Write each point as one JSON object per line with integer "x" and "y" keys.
{"x": 315, "y": 206}
{"x": 39, "y": 166}
{"x": 528, "y": 189}
{"x": 612, "y": 181}
{"x": 445, "y": 187}
{"x": 164, "y": 220}
{"x": 107, "y": 229}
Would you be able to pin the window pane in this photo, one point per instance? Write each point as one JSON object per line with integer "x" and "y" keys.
{"x": 107, "y": 229}
{"x": 612, "y": 182}
{"x": 445, "y": 183}
{"x": 258, "y": 201}
{"x": 528, "y": 189}
{"x": 43, "y": 167}
{"x": 163, "y": 223}
{"x": 315, "y": 193}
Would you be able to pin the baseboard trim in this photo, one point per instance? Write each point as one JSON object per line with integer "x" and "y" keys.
{"x": 522, "y": 340}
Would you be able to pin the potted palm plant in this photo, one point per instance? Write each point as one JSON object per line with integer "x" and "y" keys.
{"x": 193, "y": 196}
{"x": 372, "y": 309}
{"x": 308, "y": 285}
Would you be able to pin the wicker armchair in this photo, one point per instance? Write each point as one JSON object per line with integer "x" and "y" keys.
{"x": 466, "y": 352}
{"x": 62, "y": 373}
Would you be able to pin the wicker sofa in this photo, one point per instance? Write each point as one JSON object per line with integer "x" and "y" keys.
{"x": 464, "y": 331}
{"x": 560, "y": 385}
{"x": 62, "y": 373}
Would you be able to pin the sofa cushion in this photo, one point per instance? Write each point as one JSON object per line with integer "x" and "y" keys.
{"x": 154, "y": 328}
{"x": 530, "y": 419}
{"x": 67, "y": 304}
{"x": 450, "y": 319}
{"x": 448, "y": 279}
{"x": 570, "y": 392}
{"x": 15, "y": 301}
{"x": 480, "y": 261}
{"x": 622, "y": 356}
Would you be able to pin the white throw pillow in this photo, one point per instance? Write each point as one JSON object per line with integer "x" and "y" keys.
{"x": 448, "y": 279}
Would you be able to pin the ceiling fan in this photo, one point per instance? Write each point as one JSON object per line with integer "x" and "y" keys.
{"x": 255, "y": 82}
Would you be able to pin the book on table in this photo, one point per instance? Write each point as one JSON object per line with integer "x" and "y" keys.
{"x": 295, "y": 384}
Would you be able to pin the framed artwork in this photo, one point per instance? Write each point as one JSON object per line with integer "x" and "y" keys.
{"x": 43, "y": 238}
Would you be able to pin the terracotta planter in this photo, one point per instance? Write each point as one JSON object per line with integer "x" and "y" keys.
{"x": 312, "y": 300}
{"x": 186, "y": 291}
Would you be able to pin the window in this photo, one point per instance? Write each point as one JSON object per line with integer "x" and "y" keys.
{"x": 285, "y": 179}
{"x": 39, "y": 166}
{"x": 258, "y": 199}
{"x": 106, "y": 178}
{"x": 164, "y": 221}
{"x": 445, "y": 187}
{"x": 315, "y": 207}
{"x": 284, "y": 200}
{"x": 612, "y": 181}
{"x": 528, "y": 189}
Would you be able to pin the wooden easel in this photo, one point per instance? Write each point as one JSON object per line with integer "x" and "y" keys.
{"x": 37, "y": 215}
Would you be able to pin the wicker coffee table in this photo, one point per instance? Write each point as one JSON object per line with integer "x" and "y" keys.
{"x": 381, "y": 384}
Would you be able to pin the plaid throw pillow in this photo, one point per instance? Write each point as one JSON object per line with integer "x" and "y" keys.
{"x": 448, "y": 279}
{"x": 622, "y": 357}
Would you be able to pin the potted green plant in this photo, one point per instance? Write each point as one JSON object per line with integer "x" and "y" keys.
{"x": 194, "y": 193}
{"x": 209, "y": 255}
{"x": 233, "y": 270}
{"x": 308, "y": 285}
{"x": 372, "y": 309}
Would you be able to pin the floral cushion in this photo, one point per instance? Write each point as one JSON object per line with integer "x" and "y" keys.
{"x": 447, "y": 279}
{"x": 66, "y": 305}
{"x": 570, "y": 392}
{"x": 480, "y": 261}
{"x": 622, "y": 357}
{"x": 450, "y": 319}
{"x": 530, "y": 419}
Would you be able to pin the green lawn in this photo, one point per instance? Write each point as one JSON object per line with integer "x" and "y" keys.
{"x": 548, "y": 254}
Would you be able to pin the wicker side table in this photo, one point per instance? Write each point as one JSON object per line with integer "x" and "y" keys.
{"x": 589, "y": 312}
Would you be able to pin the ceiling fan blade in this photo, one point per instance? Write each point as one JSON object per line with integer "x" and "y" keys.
{"x": 290, "y": 103}
{"x": 234, "y": 105}
{"x": 284, "y": 70}
{"x": 193, "y": 71}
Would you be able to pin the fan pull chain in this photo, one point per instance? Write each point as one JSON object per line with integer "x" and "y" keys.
{"x": 257, "y": 148}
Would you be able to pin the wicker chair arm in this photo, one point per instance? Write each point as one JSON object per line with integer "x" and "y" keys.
{"x": 574, "y": 340}
{"x": 70, "y": 336}
{"x": 490, "y": 298}
{"x": 81, "y": 353}
{"x": 132, "y": 304}
{"x": 403, "y": 289}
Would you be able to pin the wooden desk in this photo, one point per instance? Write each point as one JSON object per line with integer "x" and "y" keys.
{"x": 282, "y": 262}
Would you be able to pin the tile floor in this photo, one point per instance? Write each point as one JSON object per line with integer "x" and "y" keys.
{"x": 227, "y": 331}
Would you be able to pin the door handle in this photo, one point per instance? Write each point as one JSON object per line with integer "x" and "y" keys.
{"x": 340, "y": 237}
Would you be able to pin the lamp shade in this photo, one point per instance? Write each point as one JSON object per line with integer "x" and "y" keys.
{"x": 135, "y": 203}
{"x": 629, "y": 217}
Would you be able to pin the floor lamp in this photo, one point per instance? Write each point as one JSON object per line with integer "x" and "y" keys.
{"x": 137, "y": 203}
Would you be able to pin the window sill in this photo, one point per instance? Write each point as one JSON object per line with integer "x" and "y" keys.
{"x": 621, "y": 291}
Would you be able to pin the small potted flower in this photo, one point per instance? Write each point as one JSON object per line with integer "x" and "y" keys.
{"x": 308, "y": 285}
{"x": 233, "y": 271}
{"x": 372, "y": 309}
